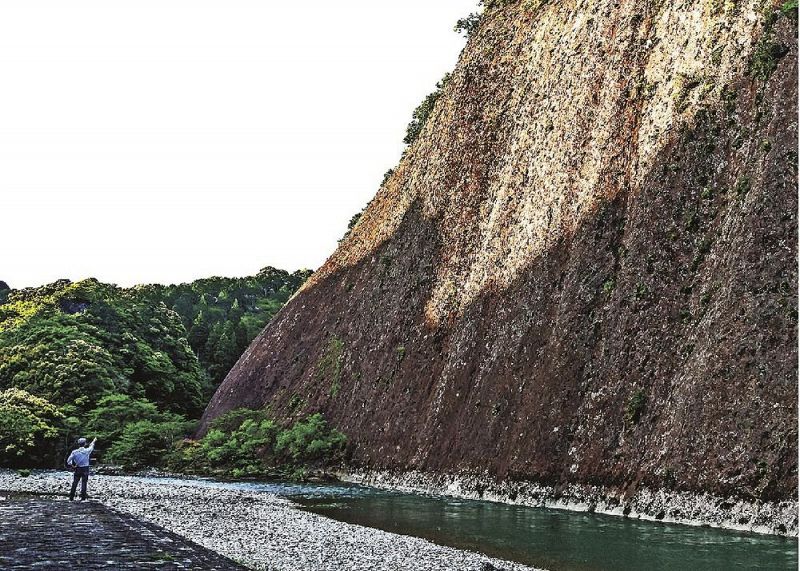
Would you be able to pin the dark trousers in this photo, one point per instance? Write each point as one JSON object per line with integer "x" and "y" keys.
{"x": 82, "y": 474}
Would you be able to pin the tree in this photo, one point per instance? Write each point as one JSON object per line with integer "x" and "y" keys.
{"x": 468, "y": 25}
{"x": 224, "y": 353}
{"x": 27, "y": 424}
{"x": 198, "y": 334}
{"x": 423, "y": 112}
{"x": 114, "y": 412}
{"x": 236, "y": 312}
{"x": 145, "y": 443}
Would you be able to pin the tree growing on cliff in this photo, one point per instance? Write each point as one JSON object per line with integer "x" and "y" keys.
{"x": 423, "y": 111}
{"x": 468, "y": 25}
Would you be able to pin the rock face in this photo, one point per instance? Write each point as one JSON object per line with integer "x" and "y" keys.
{"x": 582, "y": 272}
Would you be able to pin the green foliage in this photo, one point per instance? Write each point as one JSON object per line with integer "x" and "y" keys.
{"x": 309, "y": 440}
{"x": 354, "y": 220}
{"x": 635, "y": 407}
{"x": 768, "y": 52}
{"x": 765, "y": 58}
{"x": 493, "y": 4}
{"x": 296, "y": 402}
{"x": 27, "y": 423}
{"x": 232, "y": 420}
{"x": 243, "y": 448}
{"x": 609, "y": 285}
{"x": 789, "y": 9}
{"x": 468, "y": 25}
{"x": 423, "y": 112}
{"x": 75, "y": 343}
{"x": 114, "y": 412}
{"x": 223, "y": 315}
{"x": 247, "y": 442}
{"x": 105, "y": 358}
{"x": 331, "y": 363}
{"x": 352, "y": 223}
{"x": 146, "y": 443}
{"x": 742, "y": 187}
{"x": 641, "y": 293}
{"x": 70, "y": 342}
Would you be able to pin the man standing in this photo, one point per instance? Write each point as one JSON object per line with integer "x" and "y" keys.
{"x": 80, "y": 458}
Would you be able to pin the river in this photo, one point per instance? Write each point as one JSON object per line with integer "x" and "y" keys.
{"x": 553, "y": 539}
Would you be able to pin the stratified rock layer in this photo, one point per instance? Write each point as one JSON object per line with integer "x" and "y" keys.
{"x": 584, "y": 271}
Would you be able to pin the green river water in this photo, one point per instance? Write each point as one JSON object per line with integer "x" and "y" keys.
{"x": 560, "y": 540}
{"x": 551, "y": 539}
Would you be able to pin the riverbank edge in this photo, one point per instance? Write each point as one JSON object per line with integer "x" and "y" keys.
{"x": 666, "y": 506}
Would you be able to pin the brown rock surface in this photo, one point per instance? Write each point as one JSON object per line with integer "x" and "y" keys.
{"x": 584, "y": 270}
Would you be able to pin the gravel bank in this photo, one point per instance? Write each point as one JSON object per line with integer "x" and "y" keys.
{"x": 260, "y": 530}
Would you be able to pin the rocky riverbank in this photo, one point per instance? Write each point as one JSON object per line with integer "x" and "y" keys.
{"x": 779, "y": 518}
{"x": 259, "y": 530}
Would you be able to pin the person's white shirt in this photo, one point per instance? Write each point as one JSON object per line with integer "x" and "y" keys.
{"x": 80, "y": 456}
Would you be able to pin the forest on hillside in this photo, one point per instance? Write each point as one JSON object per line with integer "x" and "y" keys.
{"x": 125, "y": 364}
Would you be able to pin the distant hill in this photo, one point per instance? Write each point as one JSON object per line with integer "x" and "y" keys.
{"x": 223, "y": 315}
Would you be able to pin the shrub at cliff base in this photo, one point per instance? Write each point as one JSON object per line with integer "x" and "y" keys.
{"x": 248, "y": 443}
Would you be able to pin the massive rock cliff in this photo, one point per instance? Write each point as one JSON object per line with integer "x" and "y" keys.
{"x": 583, "y": 271}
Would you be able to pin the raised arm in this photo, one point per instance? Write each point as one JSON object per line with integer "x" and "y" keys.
{"x": 91, "y": 446}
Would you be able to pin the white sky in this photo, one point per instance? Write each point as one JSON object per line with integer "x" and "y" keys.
{"x": 162, "y": 141}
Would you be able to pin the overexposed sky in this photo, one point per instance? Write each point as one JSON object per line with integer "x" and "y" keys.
{"x": 163, "y": 141}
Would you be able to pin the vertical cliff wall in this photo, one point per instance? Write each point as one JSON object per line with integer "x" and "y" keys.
{"x": 583, "y": 271}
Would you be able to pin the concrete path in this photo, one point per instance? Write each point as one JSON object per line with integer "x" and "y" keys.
{"x": 40, "y": 533}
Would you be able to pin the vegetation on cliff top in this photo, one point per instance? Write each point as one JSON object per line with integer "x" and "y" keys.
{"x": 423, "y": 111}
